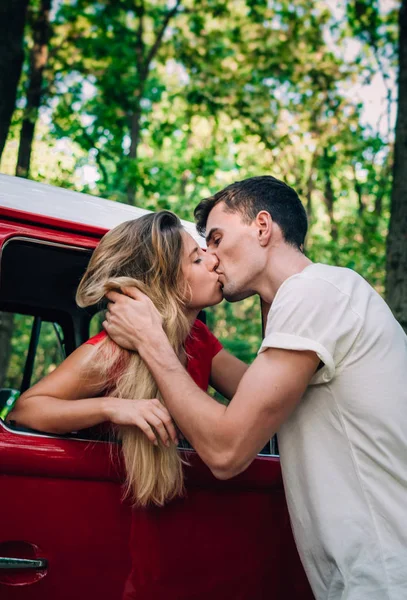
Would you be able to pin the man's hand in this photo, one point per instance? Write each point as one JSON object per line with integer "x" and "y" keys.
{"x": 132, "y": 319}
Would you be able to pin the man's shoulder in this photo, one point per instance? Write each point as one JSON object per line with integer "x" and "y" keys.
{"x": 314, "y": 311}
{"x": 329, "y": 273}
{"x": 339, "y": 279}
{"x": 322, "y": 286}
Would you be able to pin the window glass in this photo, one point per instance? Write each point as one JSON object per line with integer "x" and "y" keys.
{"x": 96, "y": 321}
{"x": 50, "y": 352}
{"x": 15, "y": 335}
{"x": 16, "y": 331}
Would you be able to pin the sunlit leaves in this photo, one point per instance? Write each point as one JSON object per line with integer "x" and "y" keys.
{"x": 234, "y": 89}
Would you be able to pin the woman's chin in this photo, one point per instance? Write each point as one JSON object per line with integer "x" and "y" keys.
{"x": 217, "y": 298}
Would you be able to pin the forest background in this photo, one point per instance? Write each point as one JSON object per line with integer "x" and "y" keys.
{"x": 160, "y": 103}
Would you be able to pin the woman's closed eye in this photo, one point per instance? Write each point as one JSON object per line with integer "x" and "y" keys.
{"x": 197, "y": 261}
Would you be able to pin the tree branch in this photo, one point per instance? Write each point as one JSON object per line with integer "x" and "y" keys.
{"x": 359, "y": 191}
{"x": 154, "y": 48}
{"x": 140, "y": 11}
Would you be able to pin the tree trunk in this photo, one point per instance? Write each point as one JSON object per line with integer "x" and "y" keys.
{"x": 38, "y": 62}
{"x": 308, "y": 196}
{"x": 384, "y": 177}
{"x": 133, "y": 152}
{"x": 6, "y": 332}
{"x": 396, "y": 267}
{"x": 359, "y": 193}
{"x": 12, "y": 21}
{"x": 310, "y": 188}
{"x": 329, "y": 199}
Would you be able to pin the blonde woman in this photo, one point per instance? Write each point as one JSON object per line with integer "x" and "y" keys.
{"x": 101, "y": 382}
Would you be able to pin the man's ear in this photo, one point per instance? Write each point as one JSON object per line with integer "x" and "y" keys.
{"x": 264, "y": 225}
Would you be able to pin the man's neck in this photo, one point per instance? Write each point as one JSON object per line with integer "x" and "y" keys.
{"x": 284, "y": 262}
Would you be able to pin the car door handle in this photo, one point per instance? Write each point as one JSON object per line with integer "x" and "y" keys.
{"x": 8, "y": 562}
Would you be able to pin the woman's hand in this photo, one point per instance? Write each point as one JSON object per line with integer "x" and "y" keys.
{"x": 144, "y": 414}
{"x": 132, "y": 319}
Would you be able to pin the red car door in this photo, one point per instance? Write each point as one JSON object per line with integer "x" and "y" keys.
{"x": 60, "y": 504}
{"x": 225, "y": 539}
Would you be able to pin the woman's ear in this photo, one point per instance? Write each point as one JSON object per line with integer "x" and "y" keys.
{"x": 264, "y": 225}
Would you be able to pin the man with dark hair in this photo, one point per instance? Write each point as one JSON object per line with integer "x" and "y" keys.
{"x": 253, "y": 195}
{"x": 330, "y": 377}
{"x": 247, "y": 199}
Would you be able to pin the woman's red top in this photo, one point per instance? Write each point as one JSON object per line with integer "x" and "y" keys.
{"x": 201, "y": 346}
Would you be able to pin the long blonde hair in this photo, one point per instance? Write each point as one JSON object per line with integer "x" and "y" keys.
{"x": 145, "y": 253}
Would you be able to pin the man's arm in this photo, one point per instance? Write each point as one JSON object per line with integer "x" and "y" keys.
{"x": 226, "y": 438}
{"x": 229, "y": 438}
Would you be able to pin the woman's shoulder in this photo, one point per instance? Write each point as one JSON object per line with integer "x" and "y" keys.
{"x": 97, "y": 338}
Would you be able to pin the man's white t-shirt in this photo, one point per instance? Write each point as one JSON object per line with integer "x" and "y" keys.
{"x": 344, "y": 447}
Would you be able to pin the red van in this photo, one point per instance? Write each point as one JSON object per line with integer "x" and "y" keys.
{"x": 65, "y": 530}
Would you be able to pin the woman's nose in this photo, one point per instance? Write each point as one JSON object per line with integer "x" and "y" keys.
{"x": 211, "y": 261}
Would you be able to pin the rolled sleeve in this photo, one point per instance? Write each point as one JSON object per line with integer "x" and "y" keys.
{"x": 311, "y": 314}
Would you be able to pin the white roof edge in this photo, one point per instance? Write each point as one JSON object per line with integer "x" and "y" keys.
{"x": 58, "y": 203}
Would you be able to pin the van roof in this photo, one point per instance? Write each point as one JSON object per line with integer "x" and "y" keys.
{"x": 38, "y": 202}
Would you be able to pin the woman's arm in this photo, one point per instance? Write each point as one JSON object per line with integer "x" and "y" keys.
{"x": 227, "y": 370}
{"x": 226, "y": 373}
{"x": 48, "y": 406}
{"x": 69, "y": 399}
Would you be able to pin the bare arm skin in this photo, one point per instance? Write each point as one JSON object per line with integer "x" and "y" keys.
{"x": 226, "y": 373}
{"x": 69, "y": 399}
{"x": 226, "y": 438}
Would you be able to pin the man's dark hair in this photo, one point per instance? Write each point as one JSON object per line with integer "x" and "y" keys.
{"x": 250, "y": 196}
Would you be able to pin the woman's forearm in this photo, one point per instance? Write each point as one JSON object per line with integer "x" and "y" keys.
{"x": 56, "y": 415}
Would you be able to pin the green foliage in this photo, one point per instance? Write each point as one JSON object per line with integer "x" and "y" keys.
{"x": 238, "y": 327}
{"x": 164, "y": 103}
